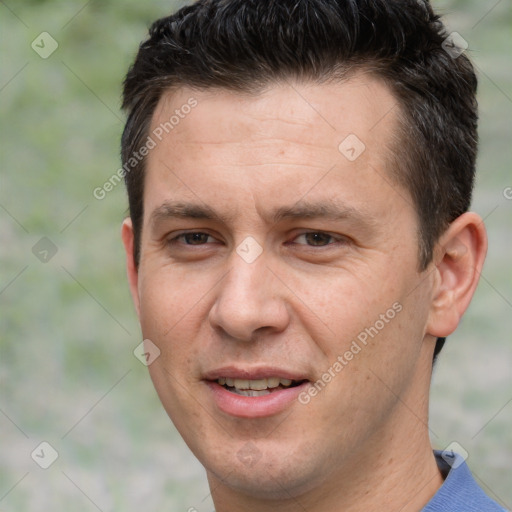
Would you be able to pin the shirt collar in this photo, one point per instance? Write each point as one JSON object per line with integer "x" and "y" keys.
{"x": 459, "y": 490}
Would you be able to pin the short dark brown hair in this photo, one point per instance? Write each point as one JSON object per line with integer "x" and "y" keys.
{"x": 245, "y": 45}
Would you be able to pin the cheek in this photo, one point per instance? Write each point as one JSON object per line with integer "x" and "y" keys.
{"x": 174, "y": 315}
{"x": 169, "y": 300}
{"x": 167, "y": 317}
{"x": 345, "y": 307}
{"x": 170, "y": 317}
{"x": 370, "y": 326}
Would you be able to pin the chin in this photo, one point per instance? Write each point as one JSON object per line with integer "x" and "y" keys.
{"x": 273, "y": 474}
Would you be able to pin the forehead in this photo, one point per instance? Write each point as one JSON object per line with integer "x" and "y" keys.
{"x": 278, "y": 145}
{"x": 320, "y": 114}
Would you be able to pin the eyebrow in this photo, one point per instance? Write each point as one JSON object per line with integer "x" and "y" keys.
{"x": 327, "y": 209}
{"x": 180, "y": 210}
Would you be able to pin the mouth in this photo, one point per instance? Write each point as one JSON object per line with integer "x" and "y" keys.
{"x": 255, "y": 392}
{"x": 257, "y": 387}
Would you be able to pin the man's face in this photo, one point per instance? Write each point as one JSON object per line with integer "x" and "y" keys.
{"x": 268, "y": 250}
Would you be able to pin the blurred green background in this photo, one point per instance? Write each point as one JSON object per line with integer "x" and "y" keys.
{"x": 68, "y": 375}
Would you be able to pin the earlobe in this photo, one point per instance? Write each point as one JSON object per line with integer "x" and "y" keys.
{"x": 459, "y": 258}
{"x": 131, "y": 268}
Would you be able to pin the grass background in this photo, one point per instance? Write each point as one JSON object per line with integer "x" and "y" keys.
{"x": 67, "y": 372}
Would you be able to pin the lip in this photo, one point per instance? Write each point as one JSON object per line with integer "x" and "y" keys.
{"x": 262, "y": 372}
{"x": 254, "y": 406}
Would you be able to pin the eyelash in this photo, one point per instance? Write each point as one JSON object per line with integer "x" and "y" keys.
{"x": 323, "y": 233}
{"x": 339, "y": 239}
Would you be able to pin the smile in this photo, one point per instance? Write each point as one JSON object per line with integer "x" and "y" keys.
{"x": 257, "y": 387}
{"x": 255, "y": 392}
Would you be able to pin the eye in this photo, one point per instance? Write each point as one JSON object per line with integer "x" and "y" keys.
{"x": 192, "y": 238}
{"x": 316, "y": 239}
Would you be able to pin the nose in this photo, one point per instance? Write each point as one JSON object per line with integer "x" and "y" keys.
{"x": 249, "y": 301}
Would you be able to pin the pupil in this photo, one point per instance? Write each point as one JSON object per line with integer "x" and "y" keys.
{"x": 317, "y": 238}
{"x": 196, "y": 238}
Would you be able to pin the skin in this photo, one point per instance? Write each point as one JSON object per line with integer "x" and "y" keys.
{"x": 362, "y": 442}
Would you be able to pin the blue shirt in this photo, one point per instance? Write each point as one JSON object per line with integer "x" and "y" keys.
{"x": 459, "y": 492}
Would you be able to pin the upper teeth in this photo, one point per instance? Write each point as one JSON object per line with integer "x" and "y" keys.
{"x": 259, "y": 384}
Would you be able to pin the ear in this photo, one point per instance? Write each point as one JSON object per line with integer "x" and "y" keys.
{"x": 459, "y": 258}
{"x": 131, "y": 268}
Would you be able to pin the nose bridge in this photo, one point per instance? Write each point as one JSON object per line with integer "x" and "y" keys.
{"x": 245, "y": 281}
{"x": 248, "y": 299}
